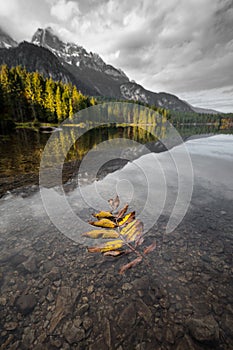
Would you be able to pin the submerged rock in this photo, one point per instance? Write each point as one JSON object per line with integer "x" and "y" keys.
{"x": 205, "y": 329}
{"x": 26, "y": 303}
{"x": 127, "y": 317}
{"x": 72, "y": 333}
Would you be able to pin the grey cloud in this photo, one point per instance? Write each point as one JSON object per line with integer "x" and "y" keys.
{"x": 176, "y": 46}
{"x": 229, "y": 91}
{"x": 197, "y": 58}
{"x": 213, "y": 98}
{"x": 24, "y": 17}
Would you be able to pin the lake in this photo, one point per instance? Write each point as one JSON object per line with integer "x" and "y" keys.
{"x": 55, "y": 294}
{"x": 21, "y": 151}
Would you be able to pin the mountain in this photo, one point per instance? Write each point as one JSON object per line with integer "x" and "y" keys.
{"x": 201, "y": 110}
{"x": 88, "y": 67}
{"x": 205, "y": 110}
{"x": 99, "y": 76}
{"x": 6, "y": 41}
{"x": 35, "y": 58}
{"x": 136, "y": 92}
{"x": 75, "y": 55}
{"x": 69, "y": 62}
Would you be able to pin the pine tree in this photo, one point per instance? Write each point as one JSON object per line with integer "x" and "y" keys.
{"x": 58, "y": 104}
{"x": 6, "y": 90}
{"x": 28, "y": 96}
{"x": 65, "y": 101}
{"x": 37, "y": 82}
{"x": 70, "y": 109}
{"x": 49, "y": 101}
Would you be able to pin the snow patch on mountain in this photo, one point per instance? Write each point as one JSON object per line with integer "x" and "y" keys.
{"x": 133, "y": 92}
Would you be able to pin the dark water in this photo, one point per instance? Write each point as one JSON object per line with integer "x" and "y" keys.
{"x": 21, "y": 151}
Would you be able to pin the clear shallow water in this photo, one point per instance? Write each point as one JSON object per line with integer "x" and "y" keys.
{"x": 150, "y": 184}
{"x": 55, "y": 293}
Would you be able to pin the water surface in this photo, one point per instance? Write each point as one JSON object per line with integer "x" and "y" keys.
{"x": 56, "y": 294}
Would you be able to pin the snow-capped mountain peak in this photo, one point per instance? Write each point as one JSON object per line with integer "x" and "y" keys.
{"x": 75, "y": 55}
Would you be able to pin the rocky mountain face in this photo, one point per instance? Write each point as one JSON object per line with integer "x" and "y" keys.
{"x": 6, "y": 41}
{"x": 136, "y": 92}
{"x": 101, "y": 77}
{"x": 89, "y": 68}
{"x": 69, "y": 62}
{"x": 76, "y": 55}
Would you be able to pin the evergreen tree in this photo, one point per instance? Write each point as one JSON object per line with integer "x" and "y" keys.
{"x": 58, "y": 104}
{"x": 49, "y": 100}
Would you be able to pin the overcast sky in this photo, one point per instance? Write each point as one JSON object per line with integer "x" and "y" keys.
{"x": 183, "y": 47}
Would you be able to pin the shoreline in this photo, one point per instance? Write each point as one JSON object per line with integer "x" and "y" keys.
{"x": 29, "y": 183}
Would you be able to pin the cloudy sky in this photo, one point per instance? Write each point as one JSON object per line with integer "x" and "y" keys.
{"x": 183, "y": 47}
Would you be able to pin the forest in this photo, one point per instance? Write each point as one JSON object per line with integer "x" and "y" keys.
{"x": 30, "y": 97}
{"x": 144, "y": 116}
{"x": 26, "y": 96}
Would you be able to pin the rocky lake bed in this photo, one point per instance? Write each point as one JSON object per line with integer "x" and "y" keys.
{"x": 56, "y": 295}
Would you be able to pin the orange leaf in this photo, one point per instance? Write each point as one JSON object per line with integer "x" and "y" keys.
{"x": 114, "y": 203}
{"x": 113, "y": 253}
{"x": 139, "y": 241}
{"x": 130, "y": 265}
{"x": 94, "y": 249}
{"x": 150, "y": 248}
{"x": 122, "y": 212}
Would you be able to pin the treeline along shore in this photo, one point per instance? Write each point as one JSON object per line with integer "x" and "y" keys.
{"x": 30, "y": 97}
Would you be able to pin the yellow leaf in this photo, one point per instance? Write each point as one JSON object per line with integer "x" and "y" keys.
{"x": 127, "y": 218}
{"x": 133, "y": 231}
{"x": 101, "y": 234}
{"x": 125, "y": 230}
{"x": 111, "y": 245}
{"x": 103, "y": 214}
{"x": 103, "y": 223}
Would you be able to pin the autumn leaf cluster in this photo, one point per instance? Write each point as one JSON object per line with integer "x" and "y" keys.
{"x": 125, "y": 230}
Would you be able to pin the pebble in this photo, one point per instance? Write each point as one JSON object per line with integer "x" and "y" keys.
{"x": 90, "y": 289}
{"x": 10, "y": 326}
{"x": 26, "y": 303}
{"x": 204, "y": 330}
{"x": 82, "y": 309}
{"x": 72, "y": 333}
{"x": 127, "y": 286}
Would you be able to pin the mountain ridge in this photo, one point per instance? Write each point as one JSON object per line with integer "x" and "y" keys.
{"x": 104, "y": 78}
{"x": 70, "y": 62}
{"x": 40, "y": 59}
